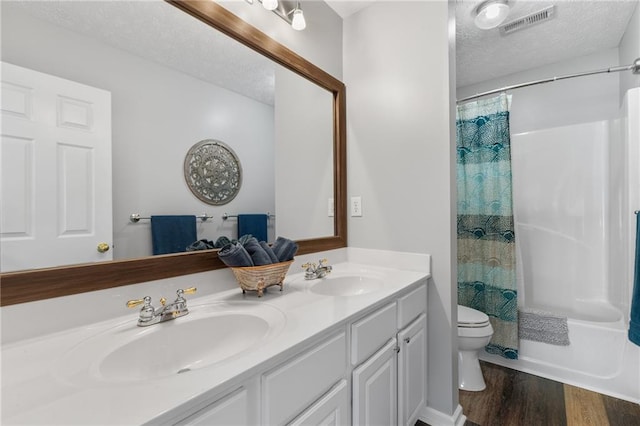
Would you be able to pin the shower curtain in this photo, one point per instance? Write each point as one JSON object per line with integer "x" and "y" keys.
{"x": 486, "y": 238}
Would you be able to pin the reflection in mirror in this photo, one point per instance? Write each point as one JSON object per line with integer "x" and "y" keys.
{"x": 39, "y": 284}
{"x": 171, "y": 86}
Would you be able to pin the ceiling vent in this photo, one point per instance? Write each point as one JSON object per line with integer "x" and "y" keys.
{"x": 527, "y": 21}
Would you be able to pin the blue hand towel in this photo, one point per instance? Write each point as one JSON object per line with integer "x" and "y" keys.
{"x": 254, "y": 224}
{"x": 284, "y": 249}
{"x": 234, "y": 254}
{"x": 257, "y": 253}
{"x": 172, "y": 234}
{"x": 634, "y": 323}
{"x": 270, "y": 253}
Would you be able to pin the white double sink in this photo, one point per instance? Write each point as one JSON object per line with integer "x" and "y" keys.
{"x": 127, "y": 353}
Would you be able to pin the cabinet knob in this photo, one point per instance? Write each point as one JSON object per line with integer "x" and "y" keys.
{"x": 407, "y": 340}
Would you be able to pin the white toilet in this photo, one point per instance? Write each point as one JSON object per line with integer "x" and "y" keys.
{"x": 474, "y": 333}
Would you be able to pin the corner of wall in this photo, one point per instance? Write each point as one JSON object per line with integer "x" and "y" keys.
{"x": 629, "y": 51}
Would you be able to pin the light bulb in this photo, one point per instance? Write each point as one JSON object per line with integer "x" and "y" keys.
{"x": 270, "y": 4}
{"x": 298, "y": 22}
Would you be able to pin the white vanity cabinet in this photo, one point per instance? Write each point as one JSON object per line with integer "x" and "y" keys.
{"x": 298, "y": 382}
{"x": 368, "y": 371}
{"x": 390, "y": 386}
{"x": 238, "y": 406}
{"x": 233, "y": 409}
{"x": 412, "y": 370}
{"x": 375, "y": 396}
{"x": 333, "y": 409}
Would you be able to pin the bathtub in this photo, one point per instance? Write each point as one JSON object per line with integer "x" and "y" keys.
{"x": 600, "y": 358}
{"x": 575, "y": 189}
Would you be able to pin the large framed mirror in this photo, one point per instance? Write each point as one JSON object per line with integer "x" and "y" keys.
{"x": 42, "y": 283}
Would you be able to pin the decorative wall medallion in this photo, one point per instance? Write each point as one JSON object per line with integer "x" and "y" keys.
{"x": 213, "y": 172}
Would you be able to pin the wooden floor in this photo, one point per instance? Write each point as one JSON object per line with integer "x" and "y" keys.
{"x": 513, "y": 398}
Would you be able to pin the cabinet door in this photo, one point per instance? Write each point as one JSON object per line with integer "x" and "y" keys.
{"x": 412, "y": 371}
{"x": 233, "y": 409}
{"x": 375, "y": 395}
{"x": 298, "y": 382}
{"x": 330, "y": 410}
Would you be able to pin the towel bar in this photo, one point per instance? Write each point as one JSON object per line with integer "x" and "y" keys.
{"x": 226, "y": 216}
{"x": 135, "y": 217}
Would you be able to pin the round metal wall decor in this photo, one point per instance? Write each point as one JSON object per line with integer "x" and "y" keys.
{"x": 213, "y": 172}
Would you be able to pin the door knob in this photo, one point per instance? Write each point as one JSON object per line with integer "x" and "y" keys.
{"x": 103, "y": 247}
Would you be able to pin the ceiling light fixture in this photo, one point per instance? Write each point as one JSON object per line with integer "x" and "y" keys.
{"x": 298, "y": 22}
{"x": 491, "y": 13}
{"x": 289, "y": 11}
{"x": 270, "y": 4}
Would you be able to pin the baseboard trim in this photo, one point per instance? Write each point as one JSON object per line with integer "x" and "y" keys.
{"x": 438, "y": 418}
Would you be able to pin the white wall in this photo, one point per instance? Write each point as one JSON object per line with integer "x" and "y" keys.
{"x": 304, "y": 164}
{"x": 320, "y": 43}
{"x": 158, "y": 114}
{"x": 629, "y": 52}
{"x": 573, "y": 101}
{"x": 401, "y": 159}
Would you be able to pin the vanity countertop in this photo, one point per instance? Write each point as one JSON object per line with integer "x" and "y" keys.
{"x": 40, "y": 387}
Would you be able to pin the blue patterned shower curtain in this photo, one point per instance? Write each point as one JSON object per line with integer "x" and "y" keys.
{"x": 486, "y": 238}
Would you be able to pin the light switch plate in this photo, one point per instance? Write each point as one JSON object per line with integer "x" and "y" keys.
{"x": 356, "y": 206}
{"x": 331, "y": 208}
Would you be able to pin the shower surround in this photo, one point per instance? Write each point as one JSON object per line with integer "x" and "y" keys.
{"x": 575, "y": 190}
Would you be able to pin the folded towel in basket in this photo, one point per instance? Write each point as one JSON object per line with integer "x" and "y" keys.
{"x": 258, "y": 255}
{"x": 284, "y": 249}
{"x": 270, "y": 253}
{"x": 234, "y": 254}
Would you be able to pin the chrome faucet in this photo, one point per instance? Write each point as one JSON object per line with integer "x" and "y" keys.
{"x": 313, "y": 271}
{"x": 150, "y": 315}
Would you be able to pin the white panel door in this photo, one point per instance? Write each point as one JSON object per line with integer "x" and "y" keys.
{"x": 55, "y": 155}
{"x": 375, "y": 395}
{"x": 412, "y": 371}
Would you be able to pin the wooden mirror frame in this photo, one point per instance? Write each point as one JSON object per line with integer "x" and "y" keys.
{"x": 39, "y": 284}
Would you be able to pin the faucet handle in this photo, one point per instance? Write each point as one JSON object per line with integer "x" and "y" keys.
{"x": 309, "y": 266}
{"x": 137, "y": 302}
{"x": 180, "y": 292}
{"x": 323, "y": 261}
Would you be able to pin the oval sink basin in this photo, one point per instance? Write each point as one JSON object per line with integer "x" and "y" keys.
{"x": 208, "y": 335}
{"x": 347, "y": 285}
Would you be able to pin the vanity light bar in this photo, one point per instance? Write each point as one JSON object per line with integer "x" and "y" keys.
{"x": 135, "y": 217}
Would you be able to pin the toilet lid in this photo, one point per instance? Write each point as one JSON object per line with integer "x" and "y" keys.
{"x": 468, "y": 317}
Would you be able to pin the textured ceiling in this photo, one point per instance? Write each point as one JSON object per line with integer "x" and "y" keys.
{"x": 579, "y": 28}
{"x": 157, "y": 31}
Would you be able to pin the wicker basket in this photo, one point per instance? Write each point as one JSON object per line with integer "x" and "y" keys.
{"x": 257, "y": 278}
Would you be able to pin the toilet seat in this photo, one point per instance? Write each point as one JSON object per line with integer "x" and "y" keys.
{"x": 471, "y": 318}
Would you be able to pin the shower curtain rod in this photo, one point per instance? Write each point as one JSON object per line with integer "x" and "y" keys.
{"x": 635, "y": 68}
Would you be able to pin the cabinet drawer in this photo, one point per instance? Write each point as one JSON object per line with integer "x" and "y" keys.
{"x": 331, "y": 409}
{"x": 372, "y": 332}
{"x": 412, "y": 305}
{"x": 233, "y": 409}
{"x": 292, "y": 387}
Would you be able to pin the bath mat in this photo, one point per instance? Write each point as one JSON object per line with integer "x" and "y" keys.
{"x": 541, "y": 326}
